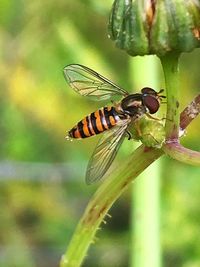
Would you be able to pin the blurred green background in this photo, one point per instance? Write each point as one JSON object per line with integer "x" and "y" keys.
{"x": 42, "y": 188}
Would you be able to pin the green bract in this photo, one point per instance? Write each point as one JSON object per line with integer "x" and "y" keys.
{"x": 155, "y": 27}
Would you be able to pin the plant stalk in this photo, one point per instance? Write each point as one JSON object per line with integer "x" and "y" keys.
{"x": 182, "y": 154}
{"x": 145, "y": 219}
{"x": 175, "y": 149}
{"x": 101, "y": 202}
{"x": 170, "y": 63}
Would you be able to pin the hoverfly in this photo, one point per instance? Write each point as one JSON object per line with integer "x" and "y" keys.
{"x": 113, "y": 120}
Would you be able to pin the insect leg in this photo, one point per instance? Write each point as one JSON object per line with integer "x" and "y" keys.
{"x": 152, "y": 117}
{"x": 129, "y": 135}
{"x": 137, "y": 128}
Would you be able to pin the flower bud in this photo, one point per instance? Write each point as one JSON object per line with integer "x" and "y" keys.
{"x": 150, "y": 132}
{"x": 155, "y": 27}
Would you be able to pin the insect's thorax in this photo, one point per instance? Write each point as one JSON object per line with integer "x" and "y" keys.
{"x": 133, "y": 106}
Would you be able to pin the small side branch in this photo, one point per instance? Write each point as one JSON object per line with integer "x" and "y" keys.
{"x": 180, "y": 153}
{"x": 190, "y": 112}
{"x": 175, "y": 149}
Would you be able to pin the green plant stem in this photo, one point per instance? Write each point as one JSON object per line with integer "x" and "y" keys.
{"x": 180, "y": 153}
{"x": 175, "y": 149}
{"x": 146, "y": 250}
{"x": 170, "y": 67}
{"x": 110, "y": 190}
{"x": 101, "y": 202}
{"x": 145, "y": 213}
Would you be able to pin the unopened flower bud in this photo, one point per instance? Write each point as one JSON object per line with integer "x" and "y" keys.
{"x": 155, "y": 27}
{"x": 150, "y": 132}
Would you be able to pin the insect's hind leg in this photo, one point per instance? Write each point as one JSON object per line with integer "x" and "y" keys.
{"x": 129, "y": 135}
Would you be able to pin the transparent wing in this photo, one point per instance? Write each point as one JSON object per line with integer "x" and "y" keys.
{"x": 89, "y": 83}
{"x": 105, "y": 152}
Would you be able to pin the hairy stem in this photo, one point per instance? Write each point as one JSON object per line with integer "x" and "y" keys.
{"x": 101, "y": 202}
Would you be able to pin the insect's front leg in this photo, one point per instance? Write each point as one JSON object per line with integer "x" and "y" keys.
{"x": 156, "y": 119}
{"x": 137, "y": 128}
{"x": 152, "y": 117}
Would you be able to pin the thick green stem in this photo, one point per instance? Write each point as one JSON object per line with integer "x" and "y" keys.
{"x": 101, "y": 202}
{"x": 170, "y": 67}
{"x": 145, "y": 219}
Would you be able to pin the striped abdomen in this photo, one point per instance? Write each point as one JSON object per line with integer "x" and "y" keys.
{"x": 95, "y": 123}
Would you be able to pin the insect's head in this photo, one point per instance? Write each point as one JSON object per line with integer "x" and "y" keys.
{"x": 152, "y": 99}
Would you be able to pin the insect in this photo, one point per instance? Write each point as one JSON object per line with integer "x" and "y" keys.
{"x": 114, "y": 121}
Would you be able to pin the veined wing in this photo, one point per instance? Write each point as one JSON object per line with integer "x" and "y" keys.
{"x": 88, "y": 82}
{"x": 105, "y": 152}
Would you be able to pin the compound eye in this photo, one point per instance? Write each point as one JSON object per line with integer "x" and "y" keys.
{"x": 148, "y": 91}
{"x": 151, "y": 103}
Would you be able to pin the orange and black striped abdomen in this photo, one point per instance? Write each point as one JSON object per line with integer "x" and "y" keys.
{"x": 95, "y": 123}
